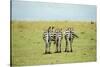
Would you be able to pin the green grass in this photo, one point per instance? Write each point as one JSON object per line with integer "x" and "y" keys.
{"x": 28, "y": 46}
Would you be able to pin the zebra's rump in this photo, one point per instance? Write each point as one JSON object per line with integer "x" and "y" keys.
{"x": 70, "y": 38}
{"x": 49, "y": 36}
{"x": 52, "y": 38}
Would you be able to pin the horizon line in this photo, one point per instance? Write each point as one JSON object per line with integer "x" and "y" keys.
{"x": 56, "y": 20}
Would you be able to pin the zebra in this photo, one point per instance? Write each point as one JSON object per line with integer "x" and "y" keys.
{"x": 58, "y": 37}
{"x": 48, "y": 37}
{"x": 69, "y": 36}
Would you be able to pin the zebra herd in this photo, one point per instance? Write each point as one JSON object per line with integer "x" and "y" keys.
{"x": 56, "y": 36}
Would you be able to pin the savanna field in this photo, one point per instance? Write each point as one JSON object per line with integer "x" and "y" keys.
{"x": 28, "y": 46}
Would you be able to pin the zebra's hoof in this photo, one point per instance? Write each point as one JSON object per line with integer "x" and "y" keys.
{"x": 56, "y": 51}
{"x": 59, "y": 51}
{"x": 49, "y": 52}
{"x": 67, "y": 51}
{"x": 71, "y": 51}
{"x": 45, "y": 52}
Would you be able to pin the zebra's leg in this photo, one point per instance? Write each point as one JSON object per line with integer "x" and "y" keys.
{"x": 46, "y": 47}
{"x": 56, "y": 47}
{"x": 49, "y": 47}
{"x": 60, "y": 47}
{"x": 71, "y": 45}
{"x": 66, "y": 46}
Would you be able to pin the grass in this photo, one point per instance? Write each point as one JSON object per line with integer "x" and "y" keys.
{"x": 28, "y": 45}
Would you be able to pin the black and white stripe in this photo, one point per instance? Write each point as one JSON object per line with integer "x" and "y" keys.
{"x": 58, "y": 38}
{"x": 69, "y": 36}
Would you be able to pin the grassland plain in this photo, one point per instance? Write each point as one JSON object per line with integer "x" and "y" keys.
{"x": 28, "y": 45}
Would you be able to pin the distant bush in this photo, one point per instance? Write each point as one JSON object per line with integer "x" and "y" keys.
{"x": 82, "y": 32}
{"x": 92, "y": 22}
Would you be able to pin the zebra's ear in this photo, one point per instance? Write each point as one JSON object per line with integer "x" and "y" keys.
{"x": 67, "y": 28}
{"x": 72, "y": 29}
{"x": 61, "y": 29}
{"x": 53, "y": 27}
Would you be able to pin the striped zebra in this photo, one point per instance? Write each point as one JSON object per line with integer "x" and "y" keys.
{"x": 48, "y": 37}
{"x": 54, "y": 35}
{"x": 58, "y": 38}
{"x": 69, "y": 36}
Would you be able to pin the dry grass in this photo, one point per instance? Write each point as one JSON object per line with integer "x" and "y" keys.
{"x": 28, "y": 45}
